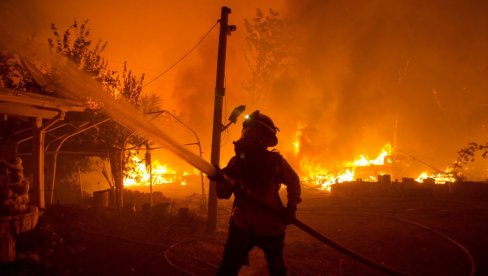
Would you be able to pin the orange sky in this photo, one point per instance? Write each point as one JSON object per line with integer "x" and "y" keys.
{"x": 411, "y": 72}
{"x": 151, "y": 36}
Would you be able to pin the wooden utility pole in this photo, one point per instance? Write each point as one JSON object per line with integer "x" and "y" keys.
{"x": 217, "y": 119}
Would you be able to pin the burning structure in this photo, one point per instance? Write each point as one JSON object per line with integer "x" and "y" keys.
{"x": 339, "y": 102}
{"x": 388, "y": 162}
{"x": 407, "y": 95}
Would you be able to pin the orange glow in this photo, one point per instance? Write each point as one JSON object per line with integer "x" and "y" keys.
{"x": 297, "y": 138}
{"x": 139, "y": 176}
{"x": 439, "y": 177}
{"x": 363, "y": 160}
{"x": 323, "y": 178}
{"x": 341, "y": 86}
{"x": 317, "y": 175}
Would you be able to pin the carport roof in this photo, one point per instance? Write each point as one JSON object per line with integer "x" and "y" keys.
{"x": 27, "y": 104}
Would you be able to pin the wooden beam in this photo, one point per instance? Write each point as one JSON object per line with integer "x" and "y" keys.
{"x": 40, "y": 101}
{"x": 24, "y": 110}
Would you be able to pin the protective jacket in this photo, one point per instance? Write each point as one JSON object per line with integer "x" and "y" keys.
{"x": 262, "y": 173}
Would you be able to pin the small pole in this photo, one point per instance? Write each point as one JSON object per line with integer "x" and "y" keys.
{"x": 38, "y": 162}
{"x": 81, "y": 184}
{"x": 149, "y": 165}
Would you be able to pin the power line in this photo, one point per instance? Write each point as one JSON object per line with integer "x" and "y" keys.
{"x": 183, "y": 57}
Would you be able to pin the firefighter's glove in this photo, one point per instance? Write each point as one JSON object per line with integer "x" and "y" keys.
{"x": 221, "y": 177}
{"x": 289, "y": 214}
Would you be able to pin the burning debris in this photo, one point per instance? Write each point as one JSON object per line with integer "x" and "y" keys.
{"x": 139, "y": 174}
{"x": 14, "y": 188}
{"x": 387, "y": 163}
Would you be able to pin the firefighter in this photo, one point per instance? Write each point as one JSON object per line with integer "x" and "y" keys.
{"x": 257, "y": 173}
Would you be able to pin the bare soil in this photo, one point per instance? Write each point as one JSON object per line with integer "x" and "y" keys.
{"x": 79, "y": 240}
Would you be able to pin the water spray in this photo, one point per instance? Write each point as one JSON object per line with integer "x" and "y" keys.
{"x": 74, "y": 82}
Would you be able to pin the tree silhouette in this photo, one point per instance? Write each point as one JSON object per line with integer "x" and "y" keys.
{"x": 269, "y": 42}
{"x": 13, "y": 75}
{"x": 468, "y": 153}
{"x": 75, "y": 44}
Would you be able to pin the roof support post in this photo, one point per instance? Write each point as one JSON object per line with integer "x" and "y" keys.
{"x": 38, "y": 139}
{"x": 38, "y": 162}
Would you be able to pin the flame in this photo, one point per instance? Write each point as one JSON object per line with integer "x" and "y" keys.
{"x": 317, "y": 175}
{"x": 323, "y": 178}
{"x": 439, "y": 177}
{"x": 139, "y": 175}
{"x": 363, "y": 160}
{"x": 422, "y": 176}
{"x": 297, "y": 138}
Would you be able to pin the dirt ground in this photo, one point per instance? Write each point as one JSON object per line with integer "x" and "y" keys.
{"x": 423, "y": 236}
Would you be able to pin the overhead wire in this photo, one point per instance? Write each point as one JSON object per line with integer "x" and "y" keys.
{"x": 424, "y": 163}
{"x": 184, "y": 56}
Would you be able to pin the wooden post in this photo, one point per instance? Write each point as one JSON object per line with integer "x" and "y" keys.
{"x": 38, "y": 163}
{"x": 7, "y": 244}
{"x": 81, "y": 184}
{"x": 119, "y": 181}
{"x": 149, "y": 166}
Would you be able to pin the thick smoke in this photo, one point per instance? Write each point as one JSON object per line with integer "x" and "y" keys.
{"x": 412, "y": 73}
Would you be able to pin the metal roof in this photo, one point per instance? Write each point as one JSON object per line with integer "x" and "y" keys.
{"x": 27, "y": 104}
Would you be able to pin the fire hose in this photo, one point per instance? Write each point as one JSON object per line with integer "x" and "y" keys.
{"x": 73, "y": 82}
{"x": 77, "y": 83}
{"x": 322, "y": 238}
{"x": 344, "y": 250}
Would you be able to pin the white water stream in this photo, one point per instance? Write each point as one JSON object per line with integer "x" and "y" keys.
{"x": 75, "y": 83}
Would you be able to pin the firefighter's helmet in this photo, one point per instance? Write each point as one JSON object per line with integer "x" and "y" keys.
{"x": 264, "y": 123}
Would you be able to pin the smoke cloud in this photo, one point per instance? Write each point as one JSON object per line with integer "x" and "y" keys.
{"x": 411, "y": 73}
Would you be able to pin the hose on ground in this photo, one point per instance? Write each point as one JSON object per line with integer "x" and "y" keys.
{"x": 464, "y": 249}
{"x": 312, "y": 232}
